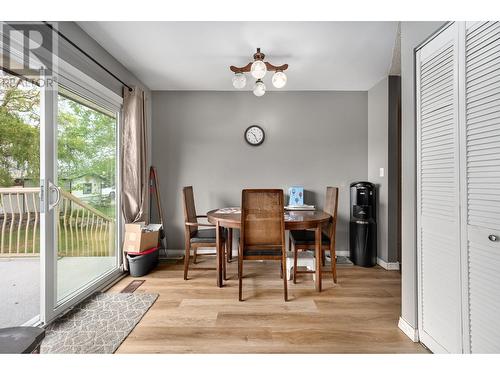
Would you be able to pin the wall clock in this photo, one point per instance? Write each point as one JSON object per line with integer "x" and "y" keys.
{"x": 254, "y": 135}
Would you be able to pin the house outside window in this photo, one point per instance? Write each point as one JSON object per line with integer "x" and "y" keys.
{"x": 87, "y": 188}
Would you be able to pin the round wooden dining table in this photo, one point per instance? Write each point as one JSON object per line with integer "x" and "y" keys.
{"x": 230, "y": 218}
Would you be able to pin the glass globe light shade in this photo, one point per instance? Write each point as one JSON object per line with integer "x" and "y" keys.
{"x": 239, "y": 81}
{"x": 259, "y": 89}
{"x": 258, "y": 69}
{"x": 279, "y": 80}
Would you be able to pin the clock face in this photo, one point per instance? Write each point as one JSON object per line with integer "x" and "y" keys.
{"x": 254, "y": 135}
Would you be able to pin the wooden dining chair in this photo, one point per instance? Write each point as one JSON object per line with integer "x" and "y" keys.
{"x": 193, "y": 235}
{"x": 262, "y": 232}
{"x": 305, "y": 239}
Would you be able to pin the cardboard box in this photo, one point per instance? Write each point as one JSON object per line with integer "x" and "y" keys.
{"x": 138, "y": 238}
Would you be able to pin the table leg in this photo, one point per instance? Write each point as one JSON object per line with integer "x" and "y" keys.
{"x": 220, "y": 254}
{"x": 318, "y": 257}
{"x": 229, "y": 244}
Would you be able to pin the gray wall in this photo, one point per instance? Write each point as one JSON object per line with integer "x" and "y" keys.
{"x": 412, "y": 34}
{"x": 313, "y": 139}
{"x": 378, "y": 120}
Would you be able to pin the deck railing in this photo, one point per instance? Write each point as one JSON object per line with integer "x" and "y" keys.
{"x": 82, "y": 230}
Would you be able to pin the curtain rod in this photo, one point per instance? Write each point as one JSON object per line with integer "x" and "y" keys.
{"x": 86, "y": 54}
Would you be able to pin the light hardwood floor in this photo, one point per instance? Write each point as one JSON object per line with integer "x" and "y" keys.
{"x": 359, "y": 315}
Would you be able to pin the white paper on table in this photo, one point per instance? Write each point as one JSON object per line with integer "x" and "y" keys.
{"x": 303, "y": 207}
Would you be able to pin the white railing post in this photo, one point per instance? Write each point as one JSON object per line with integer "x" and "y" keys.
{"x": 82, "y": 229}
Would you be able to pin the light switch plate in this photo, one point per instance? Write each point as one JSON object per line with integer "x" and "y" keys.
{"x": 381, "y": 172}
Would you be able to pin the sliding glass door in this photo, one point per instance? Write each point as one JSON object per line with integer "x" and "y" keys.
{"x": 80, "y": 190}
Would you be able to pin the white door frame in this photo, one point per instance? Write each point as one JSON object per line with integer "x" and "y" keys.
{"x": 48, "y": 238}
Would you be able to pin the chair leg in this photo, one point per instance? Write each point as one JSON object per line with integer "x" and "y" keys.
{"x": 194, "y": 255}
{"x": 186, "y": 259}
{"x": 285, "y": 281}
{"x": 334, "y": 265}
{"x": 295, "y": 265}
{"x": 224, "y": 259}
{"x": 240, "y": 276}
{"x": 230, "y": 245}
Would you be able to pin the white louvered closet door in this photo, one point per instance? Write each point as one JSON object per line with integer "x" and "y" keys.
{"x": 482, "y": 181}
{"x": 438, "y": 215}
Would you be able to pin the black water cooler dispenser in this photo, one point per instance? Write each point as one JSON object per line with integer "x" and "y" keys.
{"x": 363, "y": 224}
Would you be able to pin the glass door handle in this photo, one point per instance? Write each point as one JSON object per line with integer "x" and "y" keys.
{"x": 57, "y": 190}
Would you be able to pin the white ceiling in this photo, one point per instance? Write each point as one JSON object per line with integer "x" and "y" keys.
{"x": 197, "y": 55}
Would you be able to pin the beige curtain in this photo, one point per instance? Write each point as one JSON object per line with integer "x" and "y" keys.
{"x": 134, "y": 173}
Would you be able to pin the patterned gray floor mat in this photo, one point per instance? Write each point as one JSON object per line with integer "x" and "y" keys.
{"x": 97, "y": 325}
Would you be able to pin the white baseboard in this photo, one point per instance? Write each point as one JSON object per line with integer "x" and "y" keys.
{"x": 408, "y": 330}
{"x": 174, "y": 253}
{"x": 390, "y": 266}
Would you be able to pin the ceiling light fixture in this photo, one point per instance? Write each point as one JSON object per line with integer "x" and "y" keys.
{"x": 258, "y": 69}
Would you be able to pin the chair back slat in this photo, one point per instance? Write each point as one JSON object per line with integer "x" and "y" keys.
{"x": 262, "y": 218}
{"x": 189, "y": 207}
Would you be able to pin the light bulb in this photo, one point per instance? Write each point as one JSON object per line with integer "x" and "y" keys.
{"x": 279, "y": 80}
{"x": 259, "y": 89}
{"x": 258, "y": 69}
{"x": 239, "y": 81}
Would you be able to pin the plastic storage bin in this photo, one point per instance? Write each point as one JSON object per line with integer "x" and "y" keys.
{"x": 141, "y": 264}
